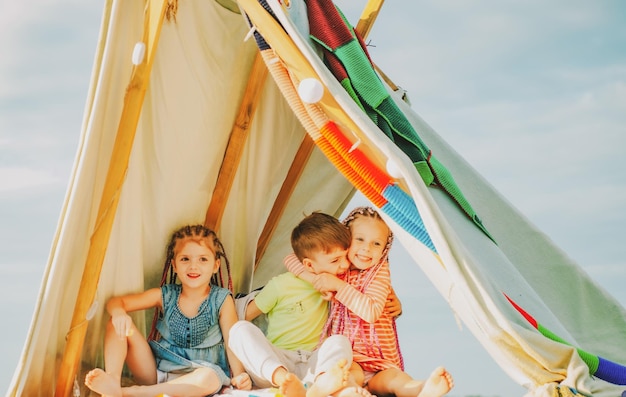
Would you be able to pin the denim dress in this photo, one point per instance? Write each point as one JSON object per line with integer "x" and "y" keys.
{"x": 187, "y": 343}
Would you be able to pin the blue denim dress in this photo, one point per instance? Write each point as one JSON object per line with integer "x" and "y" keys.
{"x": 187, "y": 343}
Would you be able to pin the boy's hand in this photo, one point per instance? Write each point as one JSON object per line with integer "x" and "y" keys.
{"x": 242, "y": 381}
{"x": 393, "y": 306}
{"x": 327, "y": 284}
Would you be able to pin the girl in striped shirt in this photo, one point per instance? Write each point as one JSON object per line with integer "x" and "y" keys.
{"x": 358, "y": 300}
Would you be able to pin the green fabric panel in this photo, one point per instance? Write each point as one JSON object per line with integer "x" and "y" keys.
{"x": 446, "y": 181}
{"x": 423, "y": 169}
{"x": 345, "y": 83}
{"x": 591, "y": 360}
{"x": 366, "y": 88}
{"x": 411, "y": 143}
{"x": 363, "y": 77}
{"x": 548, "y": 334}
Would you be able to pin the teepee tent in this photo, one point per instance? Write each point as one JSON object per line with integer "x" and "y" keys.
{"x": 246, "y": 115}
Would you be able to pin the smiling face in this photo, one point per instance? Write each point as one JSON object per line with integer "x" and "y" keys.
{"x": 369, "y": 239}
{"x": 194, "y": 263}
{"x": 333, "y": 262}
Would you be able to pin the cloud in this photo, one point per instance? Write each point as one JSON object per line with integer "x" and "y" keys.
{"x": 39, "y": 33}
{"x": 18, "y": 178}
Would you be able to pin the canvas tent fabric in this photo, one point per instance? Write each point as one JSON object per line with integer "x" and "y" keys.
{"x": 200, "y": 68}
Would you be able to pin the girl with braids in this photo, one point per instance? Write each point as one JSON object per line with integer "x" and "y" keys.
{"x": 357, "y": 302}
{"x": 186, "y": 354}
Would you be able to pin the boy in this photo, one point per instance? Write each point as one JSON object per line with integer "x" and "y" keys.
{"x": 296, "y": 312}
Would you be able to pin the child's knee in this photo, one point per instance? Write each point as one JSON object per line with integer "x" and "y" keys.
{"x": 207, "y": 378}
{"x": 242, "y": 329}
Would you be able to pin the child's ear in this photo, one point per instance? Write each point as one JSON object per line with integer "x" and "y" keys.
{"x": 308, "y": 264}
{"x": 217, "y": 266}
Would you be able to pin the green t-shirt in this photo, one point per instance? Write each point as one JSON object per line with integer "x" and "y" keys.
{"x": 296, "y": 312}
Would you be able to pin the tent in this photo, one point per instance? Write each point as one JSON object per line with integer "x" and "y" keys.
{"x": 187, "y": 121}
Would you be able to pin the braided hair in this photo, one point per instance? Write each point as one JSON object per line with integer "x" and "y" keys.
{"x": 341, "y": 313}
{"x": 199, "y": 234}
{"x": 369, "y": 212}
{"x": 196, "y": 233}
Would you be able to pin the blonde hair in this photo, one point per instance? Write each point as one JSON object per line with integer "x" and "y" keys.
{"x": 369, "y": 212}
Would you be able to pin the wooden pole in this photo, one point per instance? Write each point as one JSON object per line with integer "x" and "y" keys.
{"x": 133, "y": 102}
{"x": 236, "y": 143}
{"x": 368, "y": 17}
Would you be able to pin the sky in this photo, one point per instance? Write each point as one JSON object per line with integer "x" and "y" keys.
{"x": 532, "y": 94}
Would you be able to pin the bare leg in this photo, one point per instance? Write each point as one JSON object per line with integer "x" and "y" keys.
{"x": 355, "y": 383}
{"x": 353, "y": 391}
{"x": 330, "y": 382}
{"x": 103, "y": 383}
{"x": 201, "y": 382}
{"x": 134, "y": 350}
{"x": 291, "y": 386}
{"x": 438, "y": 383}
{"x": 324, "y": 385}
{"x": 393, "y": 381}
{"x": 356, "y": 374}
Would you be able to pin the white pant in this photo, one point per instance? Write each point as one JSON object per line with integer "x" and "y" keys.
{"x": 260, "y": 358}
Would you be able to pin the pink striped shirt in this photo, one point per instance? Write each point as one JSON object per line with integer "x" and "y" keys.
{"x": 357, "y": 311}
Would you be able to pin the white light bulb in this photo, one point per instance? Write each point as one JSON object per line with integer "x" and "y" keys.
{"x": 393, "y": 170}
{"x": 138, "y": 53}
{"x": 310, "y": 90}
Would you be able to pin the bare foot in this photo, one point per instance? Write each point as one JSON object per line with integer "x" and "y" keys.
{"x": 292, "y": 386}
{"x": 103, "y": 383}
{"x": 330, "y": 382}
{"x": 438, "y": 383}
{"x": 353, "y": 391}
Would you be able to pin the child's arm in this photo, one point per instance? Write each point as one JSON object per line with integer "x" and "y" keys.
{"x": 228, "y": 317}
{"x": 252, "y": 311}
{"x": 368, "y": 305}
{"x": 393, "y": 306}
{"x": 118, "y": 308}
{"x": 293, "y": 264}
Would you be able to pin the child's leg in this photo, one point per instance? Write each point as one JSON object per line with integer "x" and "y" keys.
{"x": 328, "y": 383}
{"x": 334, "y": 369}
{"x": 357, "y": 374}
{"x": 134, "y": 350}
{"x": 201, "y": 382}
{"x": 331, "y": 381}
{"x": 265, "y": 364}
{"x": 393, "y": 381}
{"x": 334, "y": 349}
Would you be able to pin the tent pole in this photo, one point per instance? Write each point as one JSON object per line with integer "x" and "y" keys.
{"x": 289, "y": 184}
{"x": 118, "y": 165}
{"x": 363, "y": 28}
{"x": 368, "y": 17}
{"x": 236, "y": 143}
